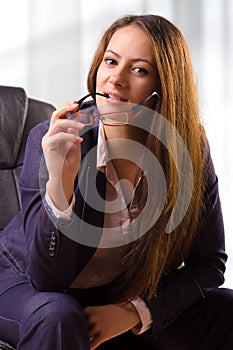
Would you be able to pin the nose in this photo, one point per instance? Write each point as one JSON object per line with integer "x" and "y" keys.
{"x": 118, "y": 77}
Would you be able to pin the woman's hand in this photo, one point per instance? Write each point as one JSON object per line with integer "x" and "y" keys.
{"x": 108, "y": 321}
{"x": 62, "y": 151}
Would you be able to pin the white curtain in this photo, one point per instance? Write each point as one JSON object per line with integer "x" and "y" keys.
{"x": 46, "y": 46}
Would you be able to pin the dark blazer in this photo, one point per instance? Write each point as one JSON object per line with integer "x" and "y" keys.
{"x": 34, "y": 247}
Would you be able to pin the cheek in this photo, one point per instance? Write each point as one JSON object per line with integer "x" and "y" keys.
{"x": 101, "y": 76}
{"x": 98, "y": 78}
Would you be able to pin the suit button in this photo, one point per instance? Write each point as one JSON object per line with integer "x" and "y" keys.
{"x": 52, "y": 244}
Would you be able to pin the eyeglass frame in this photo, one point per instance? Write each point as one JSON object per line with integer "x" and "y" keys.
{"x": 132, "y": 114}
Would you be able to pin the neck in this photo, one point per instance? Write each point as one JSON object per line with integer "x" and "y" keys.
{"x": 120, "y": 152}
{"x": 126, "y": 132}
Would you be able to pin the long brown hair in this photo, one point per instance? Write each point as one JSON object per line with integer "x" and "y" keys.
{"x": 158, "y": 252}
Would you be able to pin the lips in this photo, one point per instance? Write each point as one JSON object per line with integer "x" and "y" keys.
{"x": 115, "y": 98}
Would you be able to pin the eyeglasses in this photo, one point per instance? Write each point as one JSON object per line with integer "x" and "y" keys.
{"x": 88, "y": 111}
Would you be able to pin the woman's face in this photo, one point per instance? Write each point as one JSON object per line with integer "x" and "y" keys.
{"x": 128, "y": 71}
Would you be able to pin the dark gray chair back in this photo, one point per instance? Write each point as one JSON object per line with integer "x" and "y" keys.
{"x": 18, "y": 115}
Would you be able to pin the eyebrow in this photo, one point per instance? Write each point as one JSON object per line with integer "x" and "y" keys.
{"x": 134, "y": 59}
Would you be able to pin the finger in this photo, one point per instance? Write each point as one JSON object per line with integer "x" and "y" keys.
{"x": 73, "y": 131}
{"x": 95, "y": 341}
{"x": 61, "y": 113}
{"x": 91, "y": 330}
{"x": 54, "y": 140}
{"x": 87, "y": 311}
{"x": 74, "y": 116}
{"x": 63, "y": 124}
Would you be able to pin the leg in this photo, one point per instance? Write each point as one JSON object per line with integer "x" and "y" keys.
{"x": 216, "y": 330}
{"x": 207, "y": 325}
{"x": 45, "y": 320}
{"x": 12, "y": 303}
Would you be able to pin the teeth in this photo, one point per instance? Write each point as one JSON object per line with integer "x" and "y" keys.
{"x": 116, "y": 98}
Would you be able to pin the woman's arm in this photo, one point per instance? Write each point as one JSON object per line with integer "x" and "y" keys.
{"x": 53, "y": 259}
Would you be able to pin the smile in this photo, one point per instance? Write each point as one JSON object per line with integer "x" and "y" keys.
{"x": 115, "y": 99}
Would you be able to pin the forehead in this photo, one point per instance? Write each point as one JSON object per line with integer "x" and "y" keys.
{"x": 131, "y": 39}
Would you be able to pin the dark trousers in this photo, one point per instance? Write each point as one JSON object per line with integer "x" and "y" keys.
{"x": 54, "y": 321}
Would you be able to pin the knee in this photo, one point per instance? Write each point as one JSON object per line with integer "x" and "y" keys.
{"x": 221, "y": 298}
{"x": 53, "y": 310}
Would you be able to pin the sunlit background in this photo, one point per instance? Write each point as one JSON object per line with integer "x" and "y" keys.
{"x": 46, "y": 47}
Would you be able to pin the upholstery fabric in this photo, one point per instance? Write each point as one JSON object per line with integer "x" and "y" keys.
{"x": 18, "y": 115}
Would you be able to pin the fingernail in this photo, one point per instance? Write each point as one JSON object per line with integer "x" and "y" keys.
{"x": 74, "y": 104}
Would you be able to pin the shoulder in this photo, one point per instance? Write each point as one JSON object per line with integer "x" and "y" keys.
{"x": 38, "y": 131}
{"x": 209, "y": 169}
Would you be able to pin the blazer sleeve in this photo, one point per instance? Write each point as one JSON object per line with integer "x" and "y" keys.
{"x": 204, "y": 269}
{"x": 53, "y": 260}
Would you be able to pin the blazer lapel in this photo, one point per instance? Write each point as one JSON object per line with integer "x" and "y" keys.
{"x": 90, "y": 193}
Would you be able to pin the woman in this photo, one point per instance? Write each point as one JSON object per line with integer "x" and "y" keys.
{"x": 91, "y": 264}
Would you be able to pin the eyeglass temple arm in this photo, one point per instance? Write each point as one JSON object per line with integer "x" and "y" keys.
{"x": 137, "y": 108}
{"x": 91, "y": 94}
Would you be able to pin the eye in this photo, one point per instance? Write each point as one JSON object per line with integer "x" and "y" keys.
{"x": 110, "y": 61}
{"x": 140, "y": 70}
